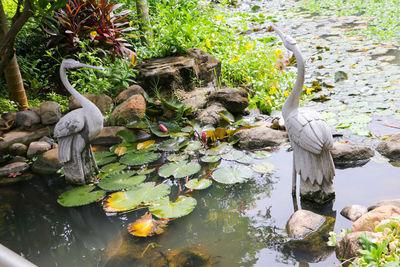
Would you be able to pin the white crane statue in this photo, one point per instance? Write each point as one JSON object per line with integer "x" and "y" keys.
{"x": 310, "y": 137}
{"x": 76, "y": 129}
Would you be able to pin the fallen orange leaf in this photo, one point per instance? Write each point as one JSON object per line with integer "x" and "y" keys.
{"x": 119, "y": 151}
{"x": 147, "y": 226}
{"x": 145, "y": 144}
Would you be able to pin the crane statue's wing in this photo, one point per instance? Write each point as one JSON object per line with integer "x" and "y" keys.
{"x": 72, "y": 123}
{"x": 309, "y": 131}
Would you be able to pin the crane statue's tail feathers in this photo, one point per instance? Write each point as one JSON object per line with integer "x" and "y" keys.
{"x": 64, "y": 149}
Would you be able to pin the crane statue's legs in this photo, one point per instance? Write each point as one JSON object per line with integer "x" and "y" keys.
{"x": 294, "y": 188}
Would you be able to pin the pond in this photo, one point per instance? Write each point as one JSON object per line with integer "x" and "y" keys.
{"x": 239, "y": 225}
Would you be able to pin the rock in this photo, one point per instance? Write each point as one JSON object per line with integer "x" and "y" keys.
{"x": 108, "y": 136}
{"x": 12, "y": 168}
{"x": 210, "y": 115}
{"x": 369, "y": 220}
{"x": 47, "y": 140}
{"x": 260, "y": 137}
{"x": 233, "y": 99}
{"x": 18, "y": 149}
{"x": 393, "y": 202}
{"x": 132, "y": 90}
{"x": 50, "y": 112}
{"x": 7, "y": 121}
{"x": 346, "y": 156}
{"x": 103, "y": 102}
{"x": 353, "y": 212}
{"x": 18, "y": 159}
{"x": 179, "y": 72}
{"x": 133, "y": 108}
{"x": 37, "y": 147}
{"x": 27, "y": 118}
{"x": 304, "y": 222}
{"x": 197, "y": 99}
{"x": 47, "y": 163}
{"x": 390, "y": 148}
{"x": 348, "y": 247}
{"x": 24, "y": 137}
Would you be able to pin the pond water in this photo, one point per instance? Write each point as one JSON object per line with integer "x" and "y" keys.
{"x": 241, "y": 225}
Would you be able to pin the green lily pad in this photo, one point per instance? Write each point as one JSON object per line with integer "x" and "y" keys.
{"x": 260, "y": 154}
{"x": 154, "y": 129}
{"x": 113, "y": 167}
{"x": 127, "y": 135}
{"x": 120, "y": 181}
{"x": 80, "y": 196}
{"x": 187, "y": 129}
{"x": 193, "y": 146}
{"x": 146, "y": 170}
{"x": 196, "y": 184}
{"x": 140, "y": 194}
{"x": 179, "y": 169}
{"x": 171, "y": 144}
{"x": 263, "y": 167}
{"x": 138, "y": 125}
{"x": 177, "y": 157}
{"x": 210, "y": 159}
{"x": 104, "y": 157}
{"x": 245, "y": 159}
{"x": 232, "y": 174}
{"x": 223, "y": 148}
{"x": 139, "y": 158}
{"x": 227, "y": 116}
{"x": 163, "y": 208}
{"x": 233, "y": 155}
{"x": 102, "y": 154}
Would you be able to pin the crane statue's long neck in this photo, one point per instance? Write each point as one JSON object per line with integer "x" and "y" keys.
{"x": 292, "y": 102}
{"x": 85, "y": 103}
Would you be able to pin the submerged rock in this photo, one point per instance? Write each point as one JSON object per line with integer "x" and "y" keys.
{"x": 131, "y": 109}
{"x": 304, "y": 222}
{"x": 260, "y": 137}
{"x": 47, "y": 163}
{"x": 348, "y": 247}
{"x": 12, "y": 168}
{"x": 50, "y": 112}
{"x": 19, "y": 178}
{"x": 392, "y": 202}
{"x": 103, "y": 102}
{"x": 27, "y": 118}
{"x": 125, "y": 94}
{"x": 371, "y": 219}
{"x": 353, "y": 212}
{"x": 346, "y": 156}
{"x": 233, "y": 99}
{"x": 390, "y": 148}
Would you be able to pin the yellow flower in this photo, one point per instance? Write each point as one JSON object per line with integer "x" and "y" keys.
{"x": 309, "y": 90}
{"x": 208, "y": 43}
{"x": 234, "y": 59}
{"x": 269, "y": 102}
{"x": 286, "y": 93}
{"x": 273, "y": 90}
{"x": 278, "y": 52}
{"x": 249, "y": 46}
{"x": 93, "y": 33}
{"x": 130, "y": 23}
{"x": 218, "y": 18}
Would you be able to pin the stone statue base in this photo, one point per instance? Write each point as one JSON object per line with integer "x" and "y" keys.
{"x": 317, "y": 193}
{"x": 79, "y": 169}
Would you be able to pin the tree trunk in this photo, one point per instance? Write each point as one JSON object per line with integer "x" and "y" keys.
{"x": 15, "y": 86}
{"x": 142, "y": 7}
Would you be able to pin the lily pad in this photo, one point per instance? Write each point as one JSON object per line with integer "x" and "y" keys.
{"x": 113, "y": 167}
{"x": 104, "y": 157}
{"x": 145, "y": 144}
{"x": 210, "y": 159}
{"x": 146, "y": 170}
{"x": 260, "y": 154}
{"x": 80, "y": 196}
{"x": 196, "y": 184}
{"x": 233, "y": 155}
{"x": 139, "y": 194}
{"x": 127, "y": 135}
{"x": 154, "y": 129}
{"x": 179, "y": 169}
{"x": 177, "y": 157}
{"x": 263, "y": 167}
{"x": 138, "y": 125}
{"x": 187, "y": 129}
{"x": 163, "y": 208}
{"x": 223, "y": 148}
{"x": 120, "y": 181}
{"x": 232, "y": 174}
{"x": 227, "y": 116}
{"x": 245, "y": 159}
{"x": 193, "y": 146}
{"x": 139, "y": 158}
{"x": 171, "y": 144}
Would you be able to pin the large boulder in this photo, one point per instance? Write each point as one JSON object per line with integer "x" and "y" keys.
{"x": 27, "y": 118}
{"x": 369, "y": 220}
{"x": 125, "y": 94}
{"x": 50, "y": 112}
{"x": 392, "y": 202}
{"x": 103, "y": 102}
{"x": 24, "y": 137}
{"x": 346, "y": 156}
{"x": 233, "y": 99}
{"x": 179, "y": 72}
{"x": 304, "y": 222}
{"x": 260, "y": 137}
{"x": 108, "y": 136}
{"x": 47, "y": 163}
{"x": 133, "y": 108}
{"x": 353, "y": 212}
{"x": 348, "y": 247}
{"x": 37, "y": 147}
{"x": 390, "y": 147}
{"x": 210, "y": 115}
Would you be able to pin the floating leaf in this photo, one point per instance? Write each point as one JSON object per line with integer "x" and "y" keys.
{"x": 263, "y": 167}
{"x": 154, "y": 129}
{"x": 179, "y": 169}
{"x": 119, "y": 151}
{"x": 127, "y": 135}
{"x": 139, "y": 158}
{"x": 227, "y": 116}
{"x": 177, "y": 157}
{"x": 163, "y": 208}
{"x": 147, "y": 226}
{"x": 172, "y": 127}
{"x": 210, "y": 158}
{"x": 145, "y": 144}
{"x": 223, "y": 148}
{"x": 105, "y": 160}
{"x": 119, "y": 181}
{"x": 80, "y": 196}
{"x": 233, "y": 155}
{"x": 146, "y": 170}
{"x": 102, "y": 154}
{"x": 260, "y": 154}
{"x": 138, "y": 125}
{"x": 187, "y": 129}
{"x": 232, "y": 174}
{"x": 193, "y": 146}
{"x": 245, "y": 159}
{"x": 171, "y": 144}
{"x": 139, "y": 194}
{"x": 113, "y": 167}
{"x": 196, "y": 184}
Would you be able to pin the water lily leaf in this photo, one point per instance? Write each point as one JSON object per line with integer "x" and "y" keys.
{"x": 187, "y": 129}
{"x": 146, "y": 170}
{"x": 245, "y": 159}
{"x": 179, "y": 169}
{"x": 139, "y": 158}
{"x": 102, "y": 154}
{"x": 105, "y": 160}
{"x": 260, "y": 154}
{"x": 163, "y": 208}
{"x": 263, "y": 167}
{"x": 181, "y": 134}
{"x": 223, "y": 148}
{"x": 177, "y": 157}
{"x": 196, "y": 184}
{"x": 120, "y": 181}
{"x": 138, "y": 125}
{"x": 210, "y": 159}
{"x": 232, "y": 174}
{"x": 227, "y": 116}
{"x": 154, "y": 129}
{"x": 145, "y": 144}
{"x": 233, "y": 155}
{"x": 172, "y": 127}
{"x": 80, "y": 196}
{"x": 193, "y": 146}
{"x": 140, "y": 194}
{"x": 147, "y": 226}
{"x": 113, "y": 167}
{"x": 171, "y": 144}
{"x": 127, "y": 135}
{"x": 119, "y": 151}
